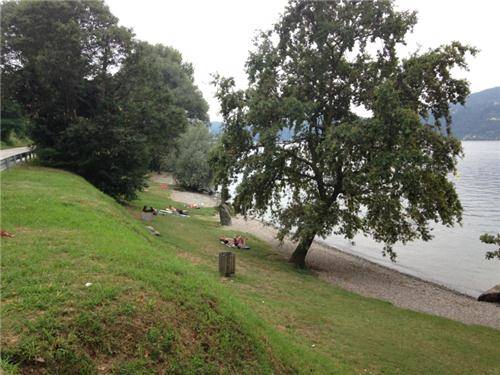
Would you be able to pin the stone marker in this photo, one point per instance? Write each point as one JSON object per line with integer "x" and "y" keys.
{"x": 224, "y": 214}
{"x": 491, "y": 295}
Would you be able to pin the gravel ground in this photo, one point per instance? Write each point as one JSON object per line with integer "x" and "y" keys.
{"x": 184, "y": 196}
{"x": 188, "y": 197}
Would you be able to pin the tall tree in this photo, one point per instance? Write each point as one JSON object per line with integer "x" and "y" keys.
{"x": 157, "y": 87}
{"x": 384, "y": 175}
{"x": 178, "y": 75}
{"x": 58, "y": 62}
{"x": 57, "y": 58}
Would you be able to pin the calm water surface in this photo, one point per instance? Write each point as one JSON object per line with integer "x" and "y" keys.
{"x": 455, "y": 257}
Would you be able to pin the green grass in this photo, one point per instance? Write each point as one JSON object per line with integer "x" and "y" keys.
{"x": 157, "y": 303}
{"x": 147, "y": 309}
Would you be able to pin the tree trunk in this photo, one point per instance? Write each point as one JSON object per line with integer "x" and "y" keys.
{"x": 224, "y": 193}
{"x": 299, "y": 255}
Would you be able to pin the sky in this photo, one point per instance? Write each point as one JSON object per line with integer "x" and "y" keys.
{"x": 216, "y": 35}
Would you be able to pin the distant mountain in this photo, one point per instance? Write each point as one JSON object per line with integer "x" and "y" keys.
{"x": 479, "y": 118}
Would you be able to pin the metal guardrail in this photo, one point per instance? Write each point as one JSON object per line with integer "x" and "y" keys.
{"x": 12, "y": 160}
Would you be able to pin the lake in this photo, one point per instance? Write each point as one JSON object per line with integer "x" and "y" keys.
{"x": 455, "y": 257}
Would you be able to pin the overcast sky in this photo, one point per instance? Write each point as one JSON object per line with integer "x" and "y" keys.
{"x": 215, "y": 35}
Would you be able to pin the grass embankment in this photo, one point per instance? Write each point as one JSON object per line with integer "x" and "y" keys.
{"x": 147, "y": 310}
{"x": 157, "y": 303}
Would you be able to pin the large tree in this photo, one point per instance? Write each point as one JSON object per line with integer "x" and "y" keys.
{"x": 384, "y": 175}
{"x": 178, "y": 75}
{"x": 59, "y": 61}
{"x": 145, "y": 95}
{"x": 157, "y": 88}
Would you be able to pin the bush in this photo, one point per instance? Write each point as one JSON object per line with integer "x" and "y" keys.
{"x": 191, "y": 167}
{"x": 13, "y": 121}
{"x": 108, "y": 154}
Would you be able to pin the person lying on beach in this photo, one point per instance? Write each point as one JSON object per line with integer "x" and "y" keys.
{"x": 237, "y": 241}
{"x": 179, "y": 211}
{"x": 166, "y": 211}
{"x": 240, "y": 242}
{"x": 4, "y": 233}
{"x": 228, "y": 241}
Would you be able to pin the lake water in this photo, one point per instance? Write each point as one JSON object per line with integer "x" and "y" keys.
{"x": 455, "y": 257}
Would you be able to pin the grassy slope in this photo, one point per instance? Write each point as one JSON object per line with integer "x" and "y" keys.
{"x": 159, "y": 303}
{"x": 146, "y": 311}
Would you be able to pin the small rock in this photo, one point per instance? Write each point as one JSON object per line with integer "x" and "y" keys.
{"x": 491, "y": 295}
{"x": 153, "y": 230}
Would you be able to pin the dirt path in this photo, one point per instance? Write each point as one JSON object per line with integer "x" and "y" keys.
{"x": 188, "y": 197}
{"x": 184, "y": 196}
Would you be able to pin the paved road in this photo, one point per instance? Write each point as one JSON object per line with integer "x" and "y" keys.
{"x": 12, "y": 151}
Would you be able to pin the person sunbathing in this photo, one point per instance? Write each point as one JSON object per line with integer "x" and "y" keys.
{"x": 228, "y": 241}
{"x": 179, "y": 211}
{"x": 4, "y": 233}
{"x": 240, "y": 242}
{"x": 237, "y": 241}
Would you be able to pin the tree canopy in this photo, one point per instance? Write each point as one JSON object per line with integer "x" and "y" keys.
{"x": 101, "y": 103}
{"x": 384, "y": 175}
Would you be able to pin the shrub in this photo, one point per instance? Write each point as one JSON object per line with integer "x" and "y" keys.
{"x": 191, "y": 167}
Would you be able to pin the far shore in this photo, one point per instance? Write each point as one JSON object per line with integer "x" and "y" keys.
{"x": 361, "y": 276}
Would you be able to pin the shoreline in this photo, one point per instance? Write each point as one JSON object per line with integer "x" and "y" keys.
{"x": 362, "y": 276}
{"x": 417, "y": 278}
